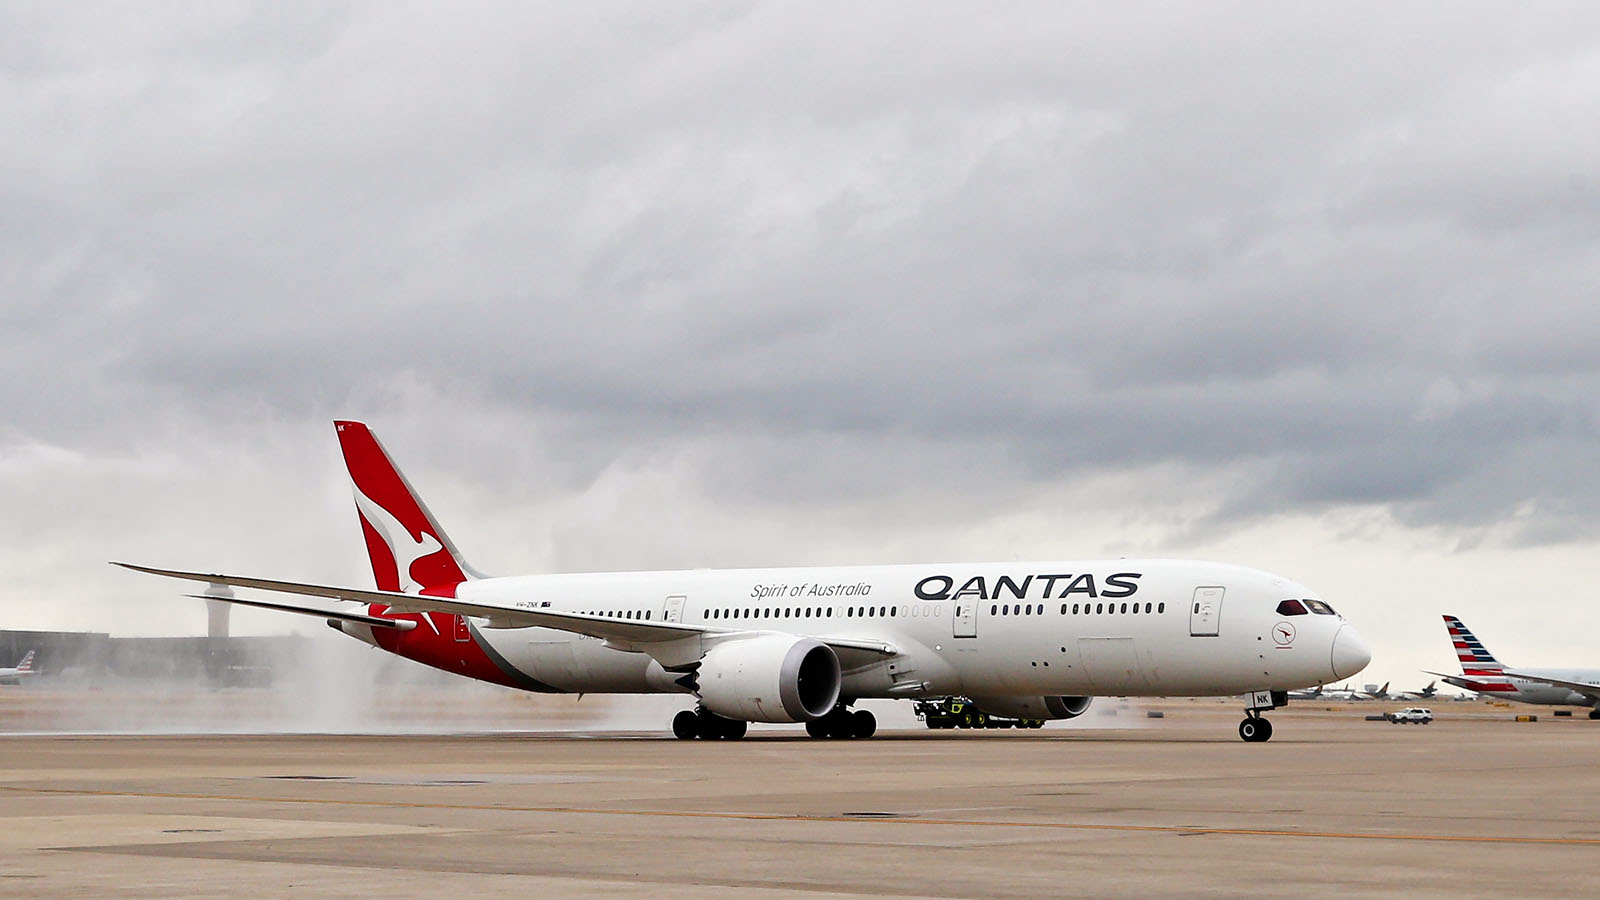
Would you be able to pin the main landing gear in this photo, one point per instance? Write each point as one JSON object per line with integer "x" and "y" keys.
{"x": 842, "y": 723}
{"x": 1594, "y": 713}
{"x": 704, "y": 724}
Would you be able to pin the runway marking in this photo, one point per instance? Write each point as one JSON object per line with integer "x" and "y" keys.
{"x": 1180, "y": 830}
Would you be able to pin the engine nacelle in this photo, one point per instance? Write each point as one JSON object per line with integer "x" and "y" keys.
{"x": 773, "y": 678}
{"x": 1034, "y": 707}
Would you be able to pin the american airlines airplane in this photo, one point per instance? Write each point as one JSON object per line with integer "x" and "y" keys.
{"x": 1023, "y": 640}
{"x": 21, "y": 670}
{"x": 1481, "y": 672}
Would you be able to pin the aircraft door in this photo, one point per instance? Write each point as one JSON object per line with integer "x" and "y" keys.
{"x": 964, "y": 617}
{"x": 462, "y": 634}
{"x": 673, "y": 611}
{"x": 1205, "y": 611}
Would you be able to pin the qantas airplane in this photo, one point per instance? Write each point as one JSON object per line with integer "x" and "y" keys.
{"x": 1481, "y": 672}
{"x": 1023, "y": 640}
{"x": 21, "y": 670}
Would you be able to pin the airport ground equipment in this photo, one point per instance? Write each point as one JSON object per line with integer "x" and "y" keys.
{"x": 1414, "y": 715}
{"x": 960, "y": 712}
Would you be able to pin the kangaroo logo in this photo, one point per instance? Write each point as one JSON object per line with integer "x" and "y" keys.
{"x": 402, "y": 546}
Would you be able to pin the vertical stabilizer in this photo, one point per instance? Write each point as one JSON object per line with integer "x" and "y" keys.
{"x": 1478, "y": 665}
{"x": 408, "y": 549}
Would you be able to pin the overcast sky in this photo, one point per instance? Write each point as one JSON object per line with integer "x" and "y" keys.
{"x": 1307, "y": 288}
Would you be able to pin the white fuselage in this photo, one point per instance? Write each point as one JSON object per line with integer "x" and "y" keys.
{"x": 1108, "y": 627}
{"x": 1537, "y": 692}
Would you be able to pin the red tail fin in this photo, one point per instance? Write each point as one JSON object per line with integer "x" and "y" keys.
{"x": 409, "y": 550}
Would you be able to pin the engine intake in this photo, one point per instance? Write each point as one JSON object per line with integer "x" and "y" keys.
{"x": 1034, "y": 707}
{"x": 772, "y": 678}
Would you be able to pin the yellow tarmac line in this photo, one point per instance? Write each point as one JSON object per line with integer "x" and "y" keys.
{"x": 784, "y": 817}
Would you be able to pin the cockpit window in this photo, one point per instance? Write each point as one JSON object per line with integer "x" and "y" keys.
{"x": 1320, "y": 608}
{"x": 1291, "y": 608}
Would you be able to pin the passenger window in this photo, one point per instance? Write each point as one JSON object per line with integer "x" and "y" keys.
{"x": 1063, "y": 609}
{"x": 994, "y": 609}
{"x": 1124, "y": 609}
{"x": 1099, "y": 608}
{"x": 1161, "y": 607}
{"x": 1291, "y": 608}
{"x": 1074, "y": 609}
{"x": 891, "y": 611}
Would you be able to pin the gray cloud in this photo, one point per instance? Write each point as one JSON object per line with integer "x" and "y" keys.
{"x": 819, "y": 260}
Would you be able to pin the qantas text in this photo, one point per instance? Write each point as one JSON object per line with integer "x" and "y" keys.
{"x": 1044, "y": 587}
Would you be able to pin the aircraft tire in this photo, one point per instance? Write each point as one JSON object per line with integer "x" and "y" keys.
{"x": 1255, "y": 730}
{"x": 686, "y": 725}
{"x": 712, "y": 727}
{"x": 816, "y": 729}
{"x": 1594, "y": 713}
{"x": 863, "y": 724}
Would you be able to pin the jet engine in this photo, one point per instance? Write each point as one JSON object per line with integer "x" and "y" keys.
{"x": 773, "y": 678}
{"x": 1034, "y": 707}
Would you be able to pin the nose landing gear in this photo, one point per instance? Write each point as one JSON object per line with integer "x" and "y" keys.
{"x": 1255, "y": 728}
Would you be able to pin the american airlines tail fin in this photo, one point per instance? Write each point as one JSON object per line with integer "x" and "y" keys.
{"x": 1478, "y": 665}
{"x": 409, "y": 551}
{"x": 26, "y": 666}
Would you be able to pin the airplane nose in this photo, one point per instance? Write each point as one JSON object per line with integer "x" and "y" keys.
{"x": 1350, "y": 653}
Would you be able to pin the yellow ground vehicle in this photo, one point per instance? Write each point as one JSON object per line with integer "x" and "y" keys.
{"x": 959, "y": 712}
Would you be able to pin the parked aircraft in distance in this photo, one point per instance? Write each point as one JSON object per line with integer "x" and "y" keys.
{"x": 1426, "y": 693}
{"x": 1312, "y": 694}
{"x": 1023, "y": 640}
{"x": 1481, "y": 672}
{"x": 21, "y": 670}
{"x": 1345, "y": 694}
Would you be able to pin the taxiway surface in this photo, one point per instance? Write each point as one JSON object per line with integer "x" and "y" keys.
{"x": 1471, "y": 806}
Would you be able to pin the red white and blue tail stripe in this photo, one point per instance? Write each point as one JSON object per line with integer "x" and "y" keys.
{"x": 1478, "y": 665}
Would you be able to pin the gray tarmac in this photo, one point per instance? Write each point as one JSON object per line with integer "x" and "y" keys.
{"x": 1475, "y": 805}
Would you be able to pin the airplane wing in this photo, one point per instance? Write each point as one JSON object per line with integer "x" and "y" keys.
{"x": 627, "y": 634}
{"x": 374, "y": 621}
{"x": 1588, "y": 689}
